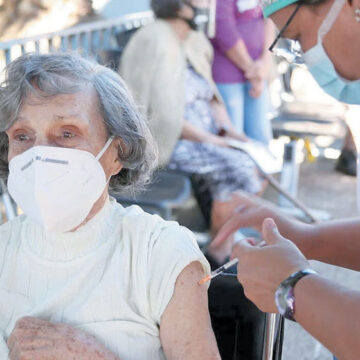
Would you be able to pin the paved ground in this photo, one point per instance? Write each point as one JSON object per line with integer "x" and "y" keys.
{"x": 323, "y": 188}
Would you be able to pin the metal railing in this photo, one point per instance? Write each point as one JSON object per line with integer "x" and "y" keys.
{"x": 88, "y": 38}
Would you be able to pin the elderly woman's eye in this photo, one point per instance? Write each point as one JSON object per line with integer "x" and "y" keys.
{"x": 68, "y": 135}
{"x": 21, "y": 137}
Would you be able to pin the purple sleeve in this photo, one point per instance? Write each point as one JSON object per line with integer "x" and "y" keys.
{"x": 226, "y": 31}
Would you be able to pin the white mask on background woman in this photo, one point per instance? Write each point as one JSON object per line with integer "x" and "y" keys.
{"x": 57, "y": 187}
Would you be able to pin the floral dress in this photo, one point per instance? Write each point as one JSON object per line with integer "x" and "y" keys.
{"x": 224, "y": 170}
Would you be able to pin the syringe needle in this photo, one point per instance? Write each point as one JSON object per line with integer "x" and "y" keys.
{"x": 219, "y": 271}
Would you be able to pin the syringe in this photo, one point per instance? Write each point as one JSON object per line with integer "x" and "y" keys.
{"x": 219, "y": 271}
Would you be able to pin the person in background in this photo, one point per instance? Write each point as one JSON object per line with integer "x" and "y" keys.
{"x": 277, "y": 276}
{"x": 167, "y": 65}
{"x": 241, "y": 65}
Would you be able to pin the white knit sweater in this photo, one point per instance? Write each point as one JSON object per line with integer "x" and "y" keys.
{"x": 112, "y": 278}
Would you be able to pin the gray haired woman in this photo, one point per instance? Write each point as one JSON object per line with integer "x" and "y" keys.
{"x": 81, "y": 276}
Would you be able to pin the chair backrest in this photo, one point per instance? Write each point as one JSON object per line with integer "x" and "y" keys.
{"x": 123, "y": 37}
{"x": 111, "y": 57}
{"x": 167, "y": 191}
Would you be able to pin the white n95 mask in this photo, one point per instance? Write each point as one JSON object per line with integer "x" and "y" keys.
{"x": 56, "y": 187}
{"x": 322, "y": 68}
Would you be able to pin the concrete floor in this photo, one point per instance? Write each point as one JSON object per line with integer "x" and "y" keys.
{"x": 323, "y": 188}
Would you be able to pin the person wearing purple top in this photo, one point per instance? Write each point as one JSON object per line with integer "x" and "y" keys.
{"x": 241, "y": 65}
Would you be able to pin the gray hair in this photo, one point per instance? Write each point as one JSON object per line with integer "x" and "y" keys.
{"x": 54, "y": 74}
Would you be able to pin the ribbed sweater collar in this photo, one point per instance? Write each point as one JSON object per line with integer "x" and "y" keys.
{"x": 71, "y": 245}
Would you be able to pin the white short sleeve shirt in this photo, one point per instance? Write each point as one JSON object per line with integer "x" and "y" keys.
{"x": 112, "y": 278}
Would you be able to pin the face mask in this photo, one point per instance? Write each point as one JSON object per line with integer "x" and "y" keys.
{"x": 199, "y": 20}
{"x": 57, "y": 187}
{"x": 323, "y": 70}
{"x": 203, "y": 19}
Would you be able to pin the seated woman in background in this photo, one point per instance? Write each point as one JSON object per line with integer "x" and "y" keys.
{"x": 167, "y": 65}
{"x": 81, "y": 276}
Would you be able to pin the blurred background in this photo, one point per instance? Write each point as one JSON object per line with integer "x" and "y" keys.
{"x": 302, "y": 116}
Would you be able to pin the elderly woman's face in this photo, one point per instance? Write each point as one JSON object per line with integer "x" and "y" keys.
{"x": 69, "y": 120}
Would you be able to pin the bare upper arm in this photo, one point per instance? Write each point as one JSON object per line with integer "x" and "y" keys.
{"x": 185, "y": 327}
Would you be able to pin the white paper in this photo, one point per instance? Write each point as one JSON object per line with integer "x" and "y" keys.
{"x": 260, "y": 154}
{"x": 245, "y": 5}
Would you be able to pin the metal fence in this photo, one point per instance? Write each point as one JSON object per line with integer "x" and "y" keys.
{"x": 88, "y": 38}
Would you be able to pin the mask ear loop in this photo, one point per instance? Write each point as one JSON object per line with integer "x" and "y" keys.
{"x": 107, "y": 144}
{"x": 330, "y": 18}
{"x": 101, "y": 153}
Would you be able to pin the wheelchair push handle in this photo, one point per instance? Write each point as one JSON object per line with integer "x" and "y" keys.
{"x": 271, "y": 329}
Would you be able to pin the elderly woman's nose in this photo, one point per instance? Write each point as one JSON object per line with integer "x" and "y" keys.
{"x": 42, "y": 141}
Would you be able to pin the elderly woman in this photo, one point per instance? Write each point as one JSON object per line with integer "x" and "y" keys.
{"x": 81, "y": 276}
{"x": 167, "y": 65}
